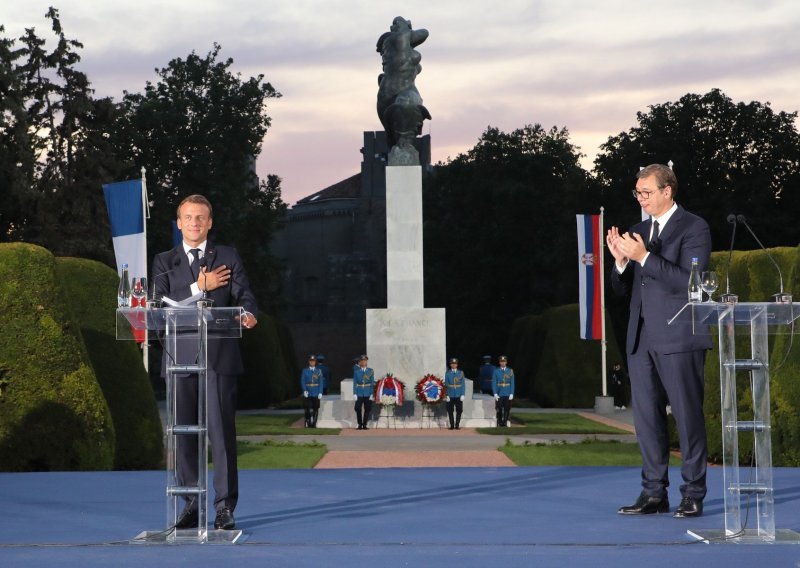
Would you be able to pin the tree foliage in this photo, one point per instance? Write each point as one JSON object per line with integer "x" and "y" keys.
{"x": 500, "y": 234}
{"x": 729, "y": 157}
{"x": 55, "y": 151}
{"x": 199, "y": 130}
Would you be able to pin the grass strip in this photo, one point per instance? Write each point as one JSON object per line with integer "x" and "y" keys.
{"x": 276, "y": 425}
{"x": 586, "y": 453}
{"x": 279, "y": 455}
{"x": 552, "y": 423}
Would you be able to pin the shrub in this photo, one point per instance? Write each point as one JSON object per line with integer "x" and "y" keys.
{"x": 52, "y": 412}
{"x": 92, "y": 290}
{"x": 270, "y": 374}
{"x": 552, "y": 364}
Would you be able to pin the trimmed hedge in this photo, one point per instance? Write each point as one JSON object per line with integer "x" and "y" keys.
{"x": 53, "y": 415}
{"x": 754, "y": 278}
{"x": 270, "y": 372}
{"x": 552, "y": 365}
{"x": 92, "y": 291}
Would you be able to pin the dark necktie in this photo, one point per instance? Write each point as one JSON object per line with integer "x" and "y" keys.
{"x": 653, "y": 237}
{"x": 195, "y": 263}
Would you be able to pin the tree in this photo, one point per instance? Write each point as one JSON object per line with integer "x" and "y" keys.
{"x": 500, "y": 233}
{"x": 728, "y": 157}
{"x": 199, "y": 129}
{"x": 55, "y": 153}
{"x": 16, "y": 155}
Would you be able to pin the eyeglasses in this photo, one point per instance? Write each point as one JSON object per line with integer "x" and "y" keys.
{"x": 642, "y": 194}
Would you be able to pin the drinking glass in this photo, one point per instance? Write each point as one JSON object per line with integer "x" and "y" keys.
{"x": 139, "y": 291}
{"x": 709, "y": 283}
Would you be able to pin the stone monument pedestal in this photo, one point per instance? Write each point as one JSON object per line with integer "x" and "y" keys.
{"x": 336, "y": 411}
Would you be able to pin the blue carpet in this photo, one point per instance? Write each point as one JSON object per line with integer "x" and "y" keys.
{"x": 547, "y": 516}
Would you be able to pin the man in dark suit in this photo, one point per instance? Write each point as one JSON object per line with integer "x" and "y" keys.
{"x": 665, "y": 362}
{"x": 194, "y": 266}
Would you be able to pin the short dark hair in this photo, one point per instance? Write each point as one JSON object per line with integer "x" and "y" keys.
{"x": 664, "y": 176}
{"x": 195, "y": 198}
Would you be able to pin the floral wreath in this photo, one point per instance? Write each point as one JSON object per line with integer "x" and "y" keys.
{"x": 389, "y": 391}
{"x": 430, "y": 389}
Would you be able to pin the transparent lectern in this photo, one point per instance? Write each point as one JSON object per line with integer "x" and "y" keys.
{"x": 749, "y": 498}
{"x": 191, "y": 327}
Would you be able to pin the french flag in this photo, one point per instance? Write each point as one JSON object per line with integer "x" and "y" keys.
{"x": 590, "y": 274}
{"x": 126, "y": 202}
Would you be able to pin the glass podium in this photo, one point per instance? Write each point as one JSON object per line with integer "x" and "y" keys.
{"x": 748, "y": 490}
{"x": 184, "y": 333}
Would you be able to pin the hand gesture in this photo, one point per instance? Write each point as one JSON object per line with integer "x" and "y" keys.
{"x": 212, "y": 279}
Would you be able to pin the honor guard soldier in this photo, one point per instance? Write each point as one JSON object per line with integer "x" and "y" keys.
{"x": 485, "y": 375}
{"x": 364, "y": 391}
{"x": 326, "y": 373}
{"x": 503, "y": 389}
{"x": 311, "y": 384}
{"x": 455, "y": 389}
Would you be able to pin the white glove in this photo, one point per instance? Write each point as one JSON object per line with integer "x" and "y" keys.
{"x": 372, "y": 397}
{"x": 497, "y": 397}
{"x": 511, "y": 397}
{"x": 447, "y": 399}
{"x": 319, "y": 396}
{"x": 461, "y": 398}
{"x": 305, "y": 394}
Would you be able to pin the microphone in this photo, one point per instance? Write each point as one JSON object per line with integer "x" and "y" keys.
{"x": 203, "y": 263}
{"x": 780, "y": 297}
{"x": 175, "y": 264}
{"x": 727, "y": 297}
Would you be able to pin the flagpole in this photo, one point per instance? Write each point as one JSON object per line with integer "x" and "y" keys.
{"x": 603, "y": 343}
{"x": 145, "y": 217}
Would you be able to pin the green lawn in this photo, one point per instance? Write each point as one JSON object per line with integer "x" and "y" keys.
{"x": 276, "y": 425}
{"x": 279, "y": 455}
{"x": 555, "y": 423}
{"x": 587, "y": 453}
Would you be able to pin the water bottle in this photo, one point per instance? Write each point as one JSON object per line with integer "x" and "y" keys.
{"x": 695, "y": 288}
{"x": 124, "y": 289}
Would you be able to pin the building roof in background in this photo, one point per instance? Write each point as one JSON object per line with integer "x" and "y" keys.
{"x": 349, "y": 188}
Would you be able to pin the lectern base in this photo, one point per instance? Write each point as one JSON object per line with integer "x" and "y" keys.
{"x": 750, "y": 536}
{"x": 189, "y": 537}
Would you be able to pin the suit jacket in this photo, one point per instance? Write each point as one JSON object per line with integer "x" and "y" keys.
{"x": 658, "y": 289}
{"x": 173, "y": 278}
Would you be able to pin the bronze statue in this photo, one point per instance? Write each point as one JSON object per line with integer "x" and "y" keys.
{"x": 400, "y": 106}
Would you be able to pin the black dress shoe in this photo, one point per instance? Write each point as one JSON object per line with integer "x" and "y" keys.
{"x": 689, "y": 507}
{"x": 646, "y": 505}
{"x": 224, "y": 520}
{"x": 187, "y": 518}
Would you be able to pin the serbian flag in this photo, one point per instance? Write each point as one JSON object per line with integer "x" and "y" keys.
{"x": 589, "y": 271}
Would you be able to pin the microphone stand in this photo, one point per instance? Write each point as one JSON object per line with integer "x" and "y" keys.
{"x": 727, "y": 297}
{"x": 205, "y": 300}
{"x": 780, "y": 297}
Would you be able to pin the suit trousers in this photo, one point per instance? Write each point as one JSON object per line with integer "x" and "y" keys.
{"x": 221, "y": 424}
{"x": 676, "y": 379}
